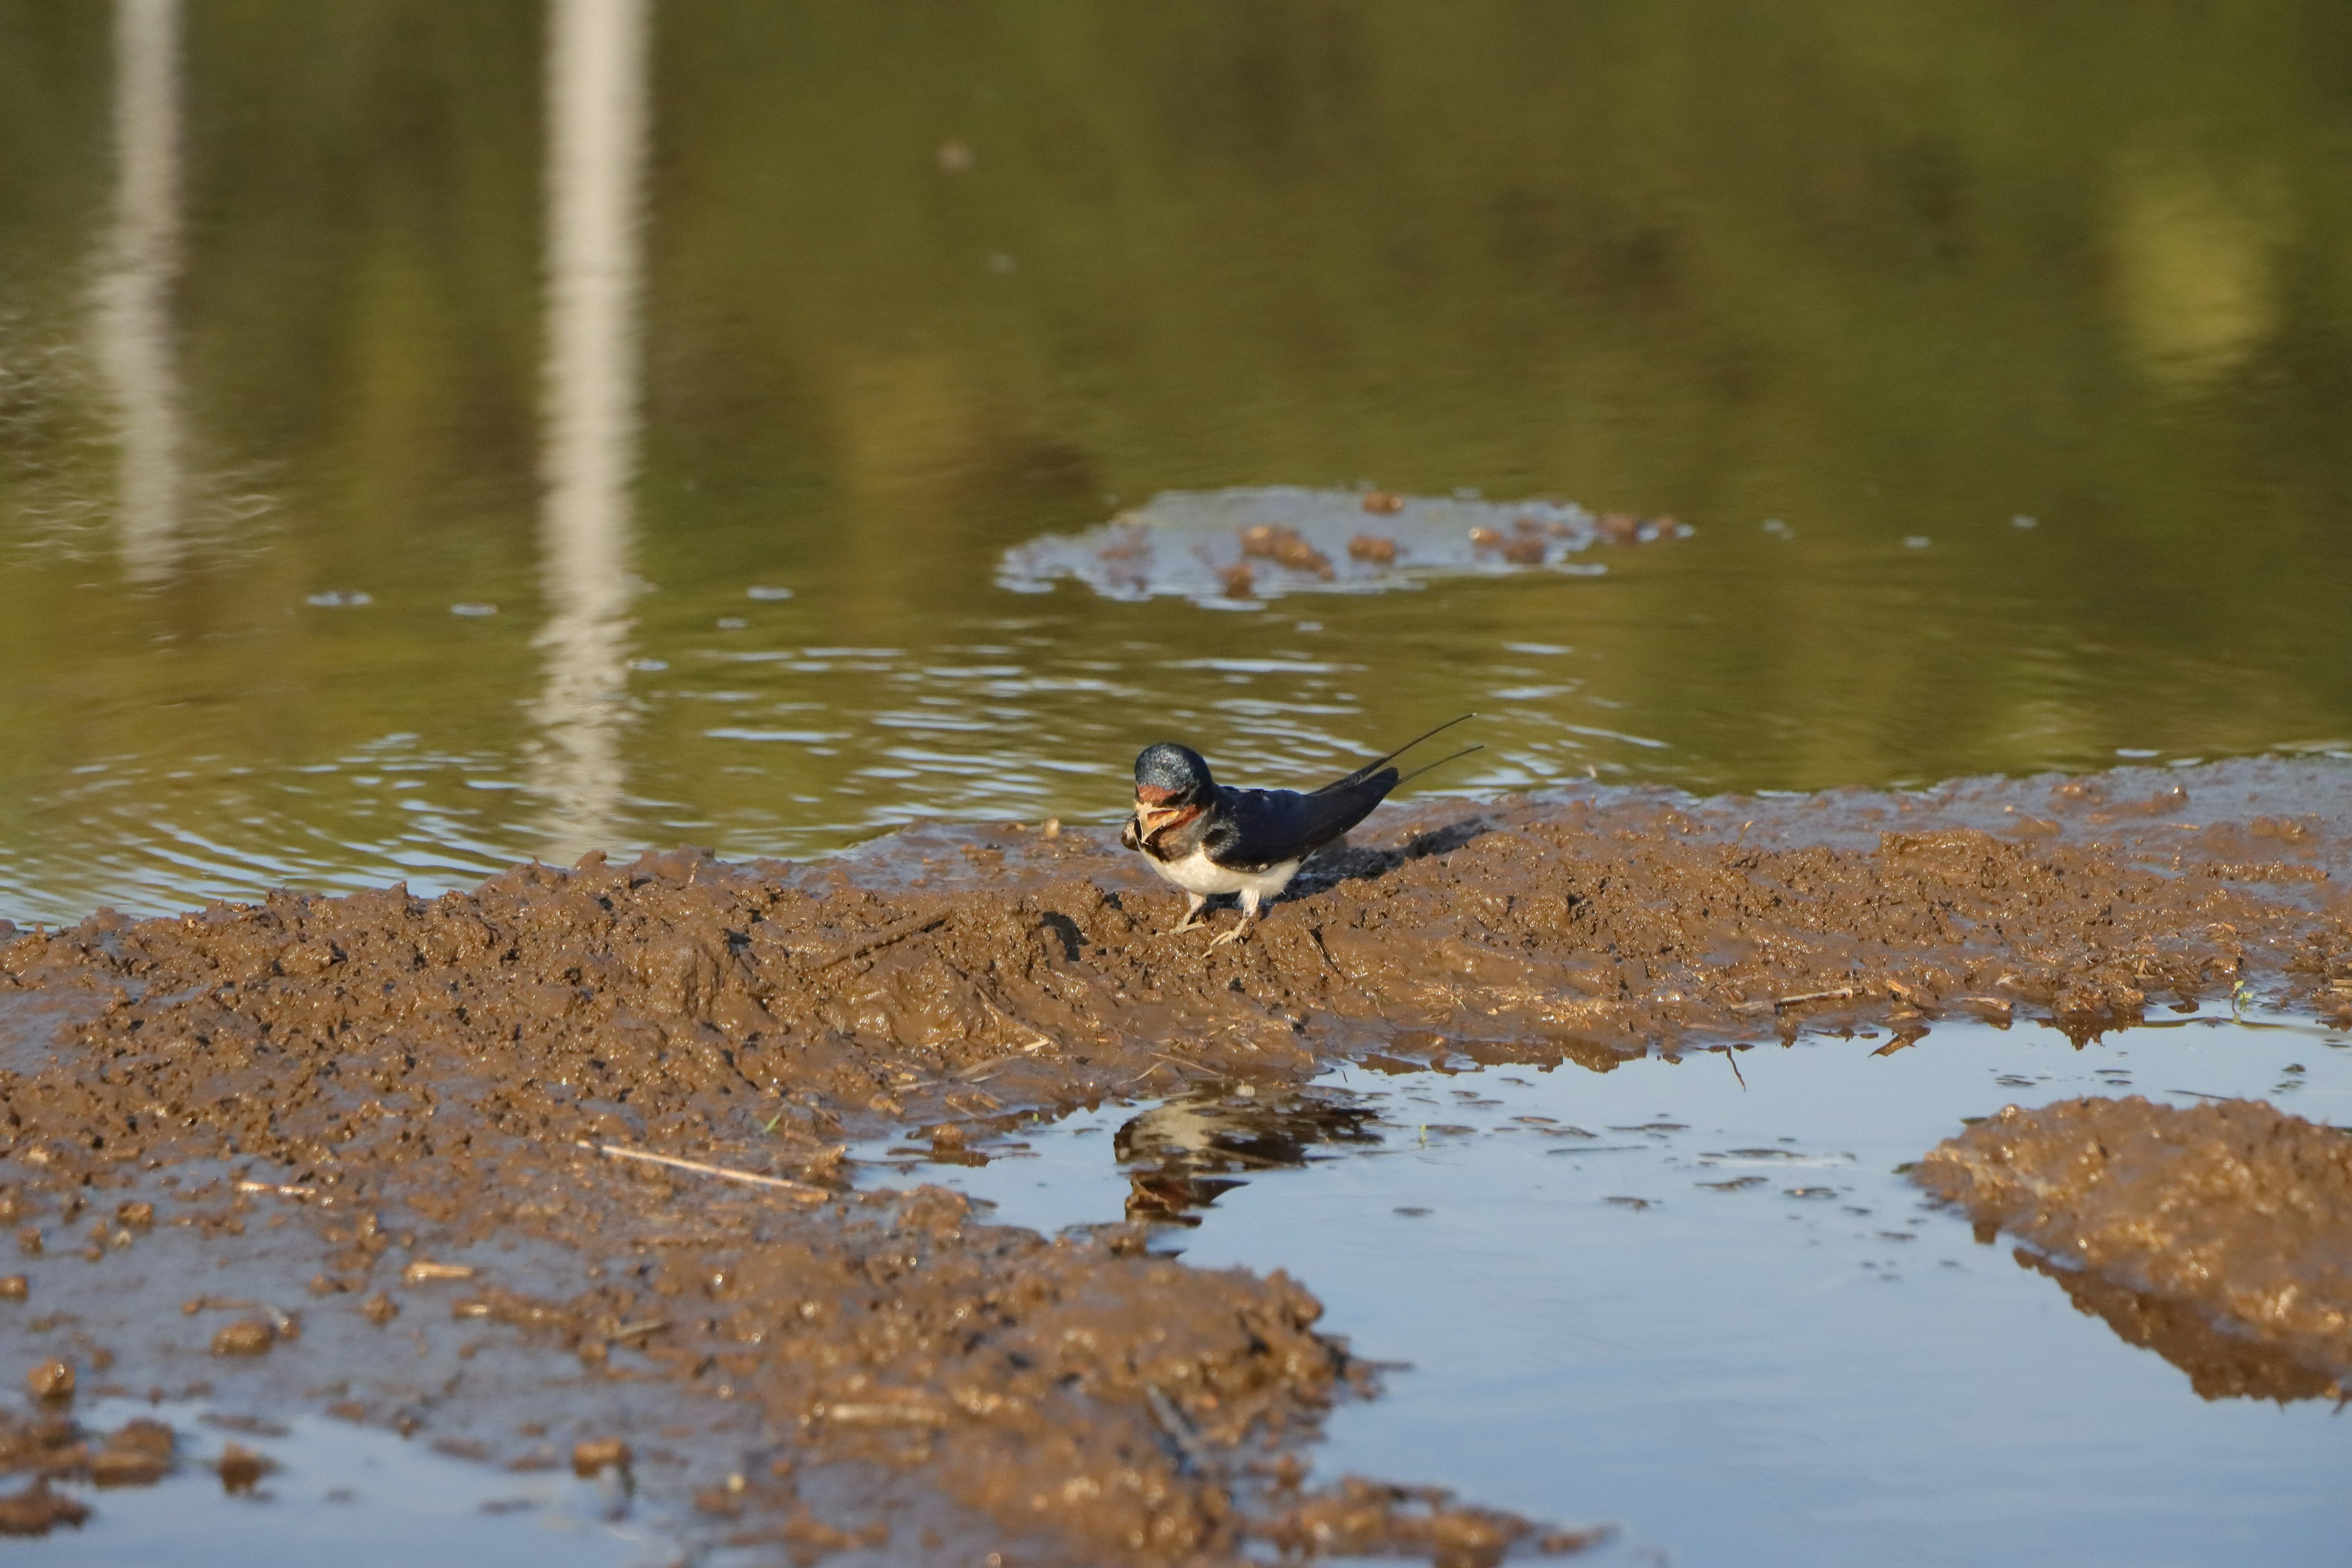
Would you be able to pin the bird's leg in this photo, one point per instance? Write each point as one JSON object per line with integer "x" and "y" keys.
{"x": 1194, "y": 904}
{"x": 1241, "y": 927}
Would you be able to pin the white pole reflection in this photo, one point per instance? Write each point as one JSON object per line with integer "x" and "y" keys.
{"x": 134, "y": 292}
{"x": 597, "y": 134}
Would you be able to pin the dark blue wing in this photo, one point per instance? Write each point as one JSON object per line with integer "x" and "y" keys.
{"x": 1262, "y": 827}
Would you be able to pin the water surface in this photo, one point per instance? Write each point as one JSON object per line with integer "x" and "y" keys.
{"x": 1708, "y": 1307}
{"x": 1996, "y": 358}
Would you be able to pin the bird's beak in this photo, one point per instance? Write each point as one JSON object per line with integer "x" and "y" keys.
{"x": 1155, "y": 817}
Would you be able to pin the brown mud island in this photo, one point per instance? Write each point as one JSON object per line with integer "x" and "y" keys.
{"x": 551, "y": 1172}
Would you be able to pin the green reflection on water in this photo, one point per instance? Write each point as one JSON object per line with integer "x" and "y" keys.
{"x": 920, "y": 283}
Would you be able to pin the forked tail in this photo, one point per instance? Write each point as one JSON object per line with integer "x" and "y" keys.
{"x": 1369, "y": 768}
{"x": 1439, "y": 764}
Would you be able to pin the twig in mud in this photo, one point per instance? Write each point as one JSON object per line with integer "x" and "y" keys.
{"x": 880, "y": 1414}
{"x": 283, "y": 1189}
{"x": 800, "y": 1190}
{"x": 1776, "y": 1003}
{"x": 1733, "y": 1061}
{"x": 639, "y": 1330}
{"x": 860, "y": 946}
{"x": 1179, "y": 1427}
{"x": 285, "y": 1322}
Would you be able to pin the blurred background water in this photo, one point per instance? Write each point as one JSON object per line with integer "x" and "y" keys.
{"x": 432, "y": 435}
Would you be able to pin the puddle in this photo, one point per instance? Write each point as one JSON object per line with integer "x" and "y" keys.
{"x": 371, "y": 1498}
{"x": 1713, "y": 1311}
{"x": 1237, "y": 549}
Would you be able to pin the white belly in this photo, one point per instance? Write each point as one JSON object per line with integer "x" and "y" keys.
{"x": 1196, "y": 873}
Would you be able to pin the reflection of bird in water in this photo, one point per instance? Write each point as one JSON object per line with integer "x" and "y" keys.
{"x": 1183, "y": 1154}
{"x": 1209, "y": 838}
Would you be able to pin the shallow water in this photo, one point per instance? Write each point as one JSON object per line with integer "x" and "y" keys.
{"x": 1820, "y": 1367}
{"x": 362, "y": 1496}
{"x": 400, "y": 465}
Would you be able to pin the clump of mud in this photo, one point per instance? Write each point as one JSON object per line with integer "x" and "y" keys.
{"x": 50, "y": 1447}
{"x": 557, "y": 1165}
{"x": 2219, "y": 1236}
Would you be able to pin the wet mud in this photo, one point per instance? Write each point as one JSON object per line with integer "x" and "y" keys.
{"x": 2219, "y": 1237}
{"x": 1239, "y": 548}
{"x": 561, "y": 1162}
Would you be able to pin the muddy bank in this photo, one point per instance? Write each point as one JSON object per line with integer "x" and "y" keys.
{"x": 380, "y": 1155}
{"x": 2219, "y": 1236}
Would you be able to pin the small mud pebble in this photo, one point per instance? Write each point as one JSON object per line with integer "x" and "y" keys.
{"x": 1284, "y": 546}
{"x": 380, "y": 1309}
{"x": 946, "y": 1135}
{"x": 36, "y": 1510}
{"x": 1380, "y": 504}
{"x": 1237, "y": 580}
{"x": 241, "y": 1468}
{"x": 51, "y": 1380}
{"x": 1484, "y": 538}
{"x": 1524, "y": 550}
{"x": 246, "y": 1336}
{"x": 29, "y": 1241}
{"x": 1620, "y": 528}
{"x": 16, "y": 1287}
{"x": 138, "y": 1455}
{"x": 1374, "y": 549}
{"x": 1300, "y": 556}
{"x": 599, "y": 1454}
{"x": 135, "y": 1216}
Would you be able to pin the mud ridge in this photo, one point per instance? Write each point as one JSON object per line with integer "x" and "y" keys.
{"x": 394, "y": 1142}
{"x": 2220, "y": 1236}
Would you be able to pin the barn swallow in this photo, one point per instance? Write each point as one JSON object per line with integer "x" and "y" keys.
{"x": 1210, "y": 838}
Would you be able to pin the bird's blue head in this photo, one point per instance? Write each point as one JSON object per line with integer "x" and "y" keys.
{"x": 1172, "y": 782}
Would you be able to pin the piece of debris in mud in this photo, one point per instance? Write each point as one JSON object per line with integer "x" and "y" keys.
{"x": 2219, "y": 1236}
{"x": 594, "y": 1454}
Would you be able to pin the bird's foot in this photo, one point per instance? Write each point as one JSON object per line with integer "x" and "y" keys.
{"x": 1187, "y": 924}
{"x": 1239, "y": 931}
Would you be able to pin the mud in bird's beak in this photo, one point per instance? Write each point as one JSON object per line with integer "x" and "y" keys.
{"x": 1154, "y": 818}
